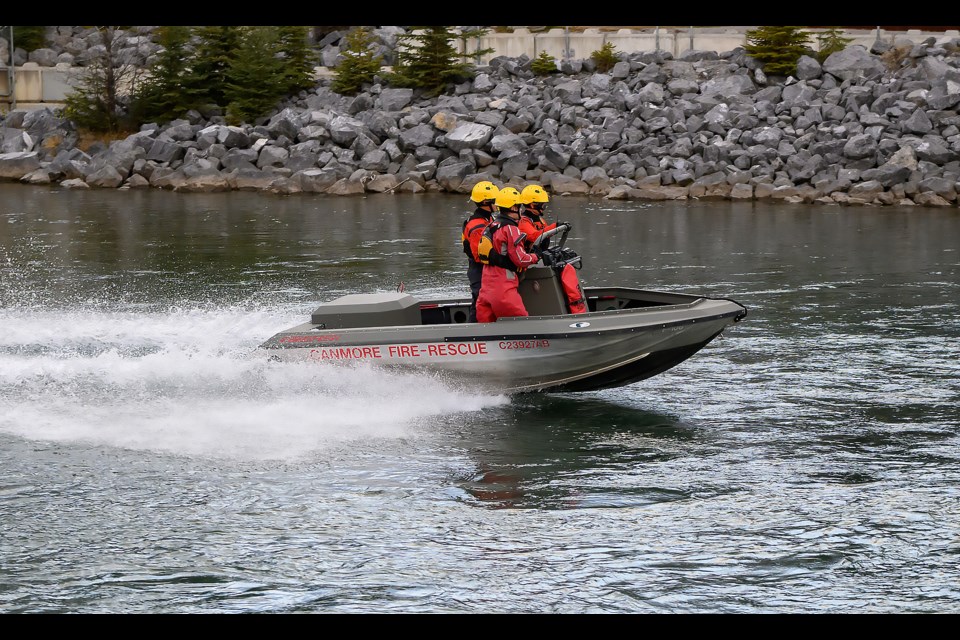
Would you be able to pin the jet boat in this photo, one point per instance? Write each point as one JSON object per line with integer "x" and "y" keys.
{"x": 625, "y": 336}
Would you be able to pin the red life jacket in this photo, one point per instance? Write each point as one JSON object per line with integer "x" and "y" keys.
{"x": 472, "y": 229}
{"x": 533, "y": 226}
{"x": 487, "y": 253}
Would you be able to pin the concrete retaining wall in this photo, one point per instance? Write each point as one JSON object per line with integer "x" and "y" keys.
{"x": 564, "y": 45}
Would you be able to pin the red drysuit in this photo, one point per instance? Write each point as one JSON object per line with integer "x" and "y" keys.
{"x": 534, "y": 225}
{"x": 499, "y": 297}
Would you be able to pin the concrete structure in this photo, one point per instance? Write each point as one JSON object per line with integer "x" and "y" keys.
{"x": 32, "y": 86}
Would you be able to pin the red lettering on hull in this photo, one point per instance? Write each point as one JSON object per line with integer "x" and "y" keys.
{"x": 401, "y": 351}
{"x": 457, "y": 349}
{"x": 346, "y": 353}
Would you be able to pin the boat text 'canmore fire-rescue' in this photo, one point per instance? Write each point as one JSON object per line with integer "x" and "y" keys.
{"x": 401, "y": 351}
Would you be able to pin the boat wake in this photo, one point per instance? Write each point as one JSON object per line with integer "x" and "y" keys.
{"x": 190, "y": 381}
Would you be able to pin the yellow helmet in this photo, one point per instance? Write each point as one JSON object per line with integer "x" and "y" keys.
{"x": 484, "y": 190}
{"x": 533, "y": 193}
{"x": 508, "y": 198}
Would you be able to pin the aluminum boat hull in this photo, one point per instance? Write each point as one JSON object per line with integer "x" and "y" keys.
{"x": 626, "y": 336}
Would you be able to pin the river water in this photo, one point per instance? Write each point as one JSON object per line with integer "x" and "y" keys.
{"x": 153, "y": 461}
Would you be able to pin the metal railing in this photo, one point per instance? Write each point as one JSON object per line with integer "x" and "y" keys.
{"x": 11, "y": 88}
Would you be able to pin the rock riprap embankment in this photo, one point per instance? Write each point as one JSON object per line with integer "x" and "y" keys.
{"x": 877, "y": 126}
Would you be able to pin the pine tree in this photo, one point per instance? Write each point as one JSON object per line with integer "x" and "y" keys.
{"x": 427, "y": 60}
{"x": 831, "y": 41}
{"x": 300, "y": 59}
{"x": 778, "y": 48}
{"x": 359, "y": 64}
{"x": 213, "y": 55}
{"x": 255, "y": 79}
{"x": 544, "y": 64}
{"x": 473, "y": 32}
{"x": 29, "y": 38}
{"x": 605, "y": 57}
{"x": 160, "y": 97}
{"x": 101, "y": 94}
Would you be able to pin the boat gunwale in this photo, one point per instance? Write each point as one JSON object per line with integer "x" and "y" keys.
{"x": 381, "y": 335}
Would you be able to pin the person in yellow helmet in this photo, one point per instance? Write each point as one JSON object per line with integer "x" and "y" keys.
{"x": 532, "y": 223}
{"x": 534, "y": 199}
{"x": 507, "y": 258}
{"x": 484, "y": 194}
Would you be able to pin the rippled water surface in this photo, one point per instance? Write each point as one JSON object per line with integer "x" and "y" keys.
{"x": 154, "y": 462}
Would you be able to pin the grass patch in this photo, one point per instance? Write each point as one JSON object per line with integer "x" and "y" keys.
{"x": 88, "y": 138}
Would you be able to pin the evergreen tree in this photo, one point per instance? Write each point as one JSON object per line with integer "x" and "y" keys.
{"x": 211, "y": 61}
{"x": 255, "y": 78}
{"x": 778, "y": 48}
{"x": 161, "y": 97}
{"x": 831, "y": 41}
{"x": 359, "y": 64}
{"x": 300, "y": 59}
{"x": 473, "y": 32}
{"x": 29, "y": 38}
{"x": 101, "y": 93}
{"x": 427, "y": 60}
{"x": 544, "y": 64}
{"x": 605, "y": 57}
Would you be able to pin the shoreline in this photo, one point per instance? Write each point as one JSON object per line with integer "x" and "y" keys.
{"x": 867, "y": 127}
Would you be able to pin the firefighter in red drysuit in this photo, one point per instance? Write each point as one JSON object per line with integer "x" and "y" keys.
{"x": 484, "y": 194}
{"x": 499, "y": 297}
{"x": 534, "y": 199}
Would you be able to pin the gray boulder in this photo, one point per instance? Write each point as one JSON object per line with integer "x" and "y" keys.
{"x": 808, "y": 68}
{"x": 165, "y": 151}
{"x": 418, "y": 136}
{"x": 231, "y": 137}
{"x": 347, "y": 187}
{"x": 316, "y": 180}
{"x": 852, "y": 63}
{"x": 395, "y": 99}
{"x": 17, "y": 164}
{"x": 15, "y": 140}
{"x": 105, "y": 177}
{"x": 253, "y": 179}
{"x": 204, "y": 180}
{"x": 728, "y": 86}
{"x": 44, "y": 57}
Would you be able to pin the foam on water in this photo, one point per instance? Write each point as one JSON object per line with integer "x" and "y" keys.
{"x": 191, "y": 381}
